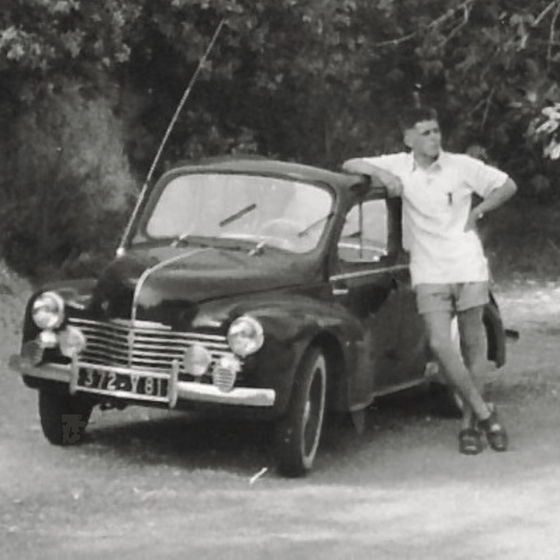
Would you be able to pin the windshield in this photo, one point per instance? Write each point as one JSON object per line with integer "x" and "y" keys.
{"x": 269, "y": 211}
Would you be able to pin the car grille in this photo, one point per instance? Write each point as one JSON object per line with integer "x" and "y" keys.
{"x": 146, "y": 346}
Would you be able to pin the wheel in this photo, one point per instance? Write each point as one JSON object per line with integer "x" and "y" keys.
{"x": 448, "y": 401}
{"x": 298, "y": 432}
{"x": 63, "y": 417}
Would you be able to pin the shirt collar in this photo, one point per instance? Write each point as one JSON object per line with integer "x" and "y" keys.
{"x": 438, "y": 165}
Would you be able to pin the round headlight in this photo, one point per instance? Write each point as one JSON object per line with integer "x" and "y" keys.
{"x": 48, "y": 311}
{"x": 245, "y": 336}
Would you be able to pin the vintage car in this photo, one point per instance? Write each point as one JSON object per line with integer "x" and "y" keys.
{"x": 256, "y": 288}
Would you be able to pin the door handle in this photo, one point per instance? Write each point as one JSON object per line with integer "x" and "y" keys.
{"x": 340, "y": 289}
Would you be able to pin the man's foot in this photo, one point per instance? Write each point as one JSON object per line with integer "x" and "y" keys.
{"x": 495, "y": 433}
{"x": 470, "y": 442}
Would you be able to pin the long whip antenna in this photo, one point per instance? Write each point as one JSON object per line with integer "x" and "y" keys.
{"x": 157, "y": 157}
{"x": 184, "y": 99}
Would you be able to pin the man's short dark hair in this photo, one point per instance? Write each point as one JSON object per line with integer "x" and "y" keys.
{"x": 413, "y": 115}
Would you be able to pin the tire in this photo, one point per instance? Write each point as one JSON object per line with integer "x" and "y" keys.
{"x": 298, "y": 432}
{"x": 53, "y": 408}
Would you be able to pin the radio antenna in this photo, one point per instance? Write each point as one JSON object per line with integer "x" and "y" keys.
{"x": 200, "y": 66}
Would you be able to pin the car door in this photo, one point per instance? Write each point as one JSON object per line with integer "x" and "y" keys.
{"x": 373, "y": 291}
{"x": 412, "y": 340}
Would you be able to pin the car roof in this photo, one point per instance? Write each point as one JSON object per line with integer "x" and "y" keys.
{"x": 264, "y": 166}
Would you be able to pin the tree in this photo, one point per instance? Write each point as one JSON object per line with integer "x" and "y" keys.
{"x": 311, "y": 80}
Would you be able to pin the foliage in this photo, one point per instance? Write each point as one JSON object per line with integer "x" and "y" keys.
{"x": 544, "y": 128}
{"x": 497, "y": 73}
{"x": 69, "y": 201}
{"x": 319, "y": 80}
{"x": 43, "y": 41}
{"x": 312, "y": 80}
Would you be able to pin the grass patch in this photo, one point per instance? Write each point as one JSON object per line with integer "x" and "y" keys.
{"x": 522, "y": 241}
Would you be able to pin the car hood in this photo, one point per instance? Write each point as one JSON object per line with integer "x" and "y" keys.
{"x": 168, "y": 285}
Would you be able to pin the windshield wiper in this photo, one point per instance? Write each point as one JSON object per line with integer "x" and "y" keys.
{"x": 258, "y": 249}
{"x": 185, "y": 237}
{"x": 180, "y": 238}
{"x": 226, "y": 221}
{"x": 305, "y": 231}
{"x": 237, "y": 215}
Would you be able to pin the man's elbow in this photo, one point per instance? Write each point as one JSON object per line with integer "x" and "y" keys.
{"x": 511, "y": 187}
{"x": 354, "y": 165}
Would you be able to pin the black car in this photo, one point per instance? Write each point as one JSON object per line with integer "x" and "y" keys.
{"x": 274, "y": 291}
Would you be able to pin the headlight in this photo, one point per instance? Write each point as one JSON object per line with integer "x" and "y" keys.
{"x": 48, "y": 311}
{"x": 245, "y": 336}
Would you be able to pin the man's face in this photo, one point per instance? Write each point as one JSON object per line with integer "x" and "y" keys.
{"x": 424, "y": 139}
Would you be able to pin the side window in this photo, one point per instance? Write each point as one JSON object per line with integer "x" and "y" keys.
{"x": 365, "y": 235}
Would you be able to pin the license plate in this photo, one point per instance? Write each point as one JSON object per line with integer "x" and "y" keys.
{"x": 106, "y": 381}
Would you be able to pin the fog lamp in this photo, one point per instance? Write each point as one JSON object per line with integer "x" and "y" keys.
{"x": 47, "y": 339}
{"x": 197, "y": 360}
{"x": 71, "y": 341}
{"x": 245, "y": 335}
{"x": 225, "y": 373}
{"x": 48, "y": 310}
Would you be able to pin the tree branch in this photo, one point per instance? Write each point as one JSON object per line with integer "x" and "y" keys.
{"x": 544, "y": 13}
{"x": 394, "y": 42}
{"x": 551, "y": 34}
{"x": 465, "y": 7}
{"x": 487, "y": 108}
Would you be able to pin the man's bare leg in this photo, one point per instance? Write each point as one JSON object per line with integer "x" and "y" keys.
{"x": 474, "y": 352}
{"x": 438, "y": 324}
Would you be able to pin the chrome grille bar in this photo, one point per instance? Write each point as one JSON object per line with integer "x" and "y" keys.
{"x": 154, "y": 348}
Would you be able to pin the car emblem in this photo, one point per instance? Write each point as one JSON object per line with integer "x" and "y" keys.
{"x": 105, "y": 305}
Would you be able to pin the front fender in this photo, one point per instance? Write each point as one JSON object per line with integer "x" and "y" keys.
{"x": 291, "y": 323}
{"x": 77, "y": 294}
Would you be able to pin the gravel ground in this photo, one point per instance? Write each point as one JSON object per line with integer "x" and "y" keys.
{"x": 151, "y": 484}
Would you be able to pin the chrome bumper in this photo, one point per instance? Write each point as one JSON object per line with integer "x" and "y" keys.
{"x": 178, "y": 390}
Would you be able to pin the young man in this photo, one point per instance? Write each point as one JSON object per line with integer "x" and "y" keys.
{"x": 448, "y": 267}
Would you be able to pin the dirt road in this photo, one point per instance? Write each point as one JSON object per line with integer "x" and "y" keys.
{"x": 159, "y": 485}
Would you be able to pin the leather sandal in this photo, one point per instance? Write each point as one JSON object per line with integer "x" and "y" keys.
{"x": 470, "y": 442}
{"x": 495, "y": 433}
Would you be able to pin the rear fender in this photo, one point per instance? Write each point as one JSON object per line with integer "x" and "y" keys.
{"x": 495, "y": 333}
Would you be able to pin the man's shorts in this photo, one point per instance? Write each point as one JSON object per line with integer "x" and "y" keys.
{"x": 451, "y": 297}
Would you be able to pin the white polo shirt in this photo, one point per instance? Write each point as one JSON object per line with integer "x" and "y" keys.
{"x": 436, "y": 205}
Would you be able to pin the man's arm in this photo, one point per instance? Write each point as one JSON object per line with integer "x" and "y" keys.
{"x": 359, "y": 166}
{"x": 494, "y": 200}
